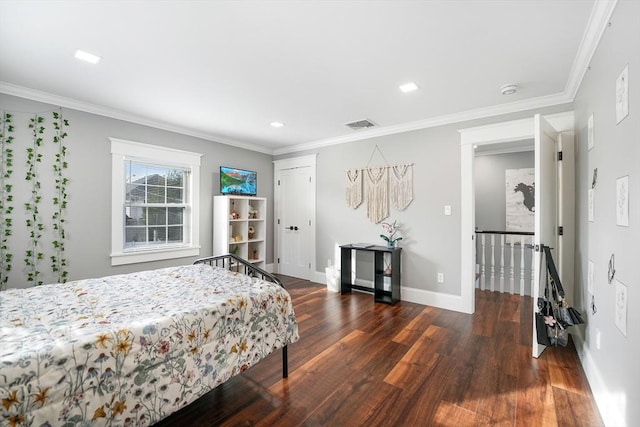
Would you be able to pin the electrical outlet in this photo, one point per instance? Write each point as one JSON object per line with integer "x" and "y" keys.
{"x": 440, "y": 277}
{"x": 447, "y": 210}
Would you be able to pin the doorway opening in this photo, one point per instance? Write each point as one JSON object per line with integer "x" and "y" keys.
{"x": 504, "y": 213}
{"x": 544, "y": 131}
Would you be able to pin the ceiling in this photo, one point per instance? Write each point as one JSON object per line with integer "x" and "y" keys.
{"x": 224, "y": 70}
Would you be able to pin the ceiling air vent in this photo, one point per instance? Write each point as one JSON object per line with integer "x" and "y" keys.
{"x": 361, "y": 124}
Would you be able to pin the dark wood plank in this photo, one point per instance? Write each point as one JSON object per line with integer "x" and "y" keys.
{"x": 418, "y": 361}
{"x": 509, "y": 308}
{"x": 565, "y": 371}
{"x": 526, "y": 321}
{"x": 573, "y": 409}
{"x": 420, "y": 404}
{"x": 361, "y": 363}
{"x": 347, "y": 407}
{"x": 450, "y": 415}
{"x": 410, "y": 333}
{"x": 535, "y": 404}
{"x": 487, "y": 303}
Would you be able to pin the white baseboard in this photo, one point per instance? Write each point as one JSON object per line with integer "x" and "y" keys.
{"x": 418, "y": 296}
{"x": 433, "y": 299}
{"x": 319, "y": 277}
{"x": 322, "y": 278}
{"x": 613, "y": 407}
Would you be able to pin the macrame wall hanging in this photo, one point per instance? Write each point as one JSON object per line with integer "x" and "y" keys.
{"x": 401, "y": 186}
{"x": 353, "y": 183}
{"x": 378, "y": 191}
{"x": 377, "y": 194}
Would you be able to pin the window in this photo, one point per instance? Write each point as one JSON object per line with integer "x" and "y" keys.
{"x": 155, "y": 207}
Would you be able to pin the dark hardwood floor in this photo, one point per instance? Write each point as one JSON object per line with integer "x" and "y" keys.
{"x": 361, "y": 363}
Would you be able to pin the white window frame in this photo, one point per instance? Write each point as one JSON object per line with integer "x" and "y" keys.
{"x": 123, "y": 150}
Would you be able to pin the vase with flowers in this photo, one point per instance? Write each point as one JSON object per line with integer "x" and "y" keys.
{"x": 389, "y": 235}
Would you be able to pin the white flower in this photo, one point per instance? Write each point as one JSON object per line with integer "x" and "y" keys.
{"x": 390, "y": 230}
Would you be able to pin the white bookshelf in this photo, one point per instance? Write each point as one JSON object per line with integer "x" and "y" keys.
{"x": 233, "y": 219}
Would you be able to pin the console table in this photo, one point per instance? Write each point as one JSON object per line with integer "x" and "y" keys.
{"x": 379, "y": 293}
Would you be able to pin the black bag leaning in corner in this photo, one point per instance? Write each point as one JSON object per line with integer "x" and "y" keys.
{"x": 541, "y": 327}
{"x": 543, "y": 313}
{"x": 554, "y": 315}
{"x": 555, "y": 333}
{"x": 567, "y": 316}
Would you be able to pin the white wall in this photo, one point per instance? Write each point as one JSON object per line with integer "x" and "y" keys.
{"x": 612, "y": 368}
{"x": 89, "y": 211}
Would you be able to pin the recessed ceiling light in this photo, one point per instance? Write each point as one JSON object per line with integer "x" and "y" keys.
{"x": 86, "y": 56}
{"x": 409, "y": 87}
{"x": 509, "y": 89}
{"x": 277, "y": 124}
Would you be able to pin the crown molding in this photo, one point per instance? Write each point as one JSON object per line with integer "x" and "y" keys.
{"x": 480, "y": 113}
{"x": 514, "y": 130}
{"x": 596, "y": 26}
{"x": 62, "y": 101}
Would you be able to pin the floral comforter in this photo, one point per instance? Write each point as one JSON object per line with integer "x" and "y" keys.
{"x": 131, "y": 349}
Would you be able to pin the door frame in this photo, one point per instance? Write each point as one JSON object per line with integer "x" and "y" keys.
{"x": 502, "y": 132}
{"x": 293, "y": 163}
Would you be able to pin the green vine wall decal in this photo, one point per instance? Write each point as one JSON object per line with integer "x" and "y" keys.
{"x": 34, "y": 253}
{"x": 58, "y": 260}
{"x": 6, "y": 208}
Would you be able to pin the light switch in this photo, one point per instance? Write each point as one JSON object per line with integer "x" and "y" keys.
{"x": 447, "y": 210}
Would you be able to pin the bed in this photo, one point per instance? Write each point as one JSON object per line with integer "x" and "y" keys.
{"x": 132, "y": 349}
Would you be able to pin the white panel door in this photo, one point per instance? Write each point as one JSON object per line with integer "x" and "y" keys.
{"x": 546, "y": 210}
{"x": 294, "y": 222}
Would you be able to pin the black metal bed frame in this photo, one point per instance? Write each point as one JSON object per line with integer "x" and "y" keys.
{"x": 235, "y": 263}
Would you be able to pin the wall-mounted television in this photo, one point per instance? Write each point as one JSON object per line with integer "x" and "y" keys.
{"x": 238, "y": 181}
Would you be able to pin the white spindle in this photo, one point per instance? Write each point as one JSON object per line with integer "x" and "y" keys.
{"x": 483, "y": 274}
{"x": 522, "y": 265}
{"x": 502, "y": 237}
{"x": 493, "y": 262}
{"x": 532, "y": 272}
{"x": 512, "y": 275}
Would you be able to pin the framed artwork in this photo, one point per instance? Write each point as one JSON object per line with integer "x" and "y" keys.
{"x": 622, "y": 201}
{"x": 590, "y": 272}
{"x": 622, "y": 95}
{"x": 621, "y": 307}
{"x": 590, "y": 132}
{"x": 520, "y": 199}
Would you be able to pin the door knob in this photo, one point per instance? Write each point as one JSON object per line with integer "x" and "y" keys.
{"x": 292, "y": 227}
